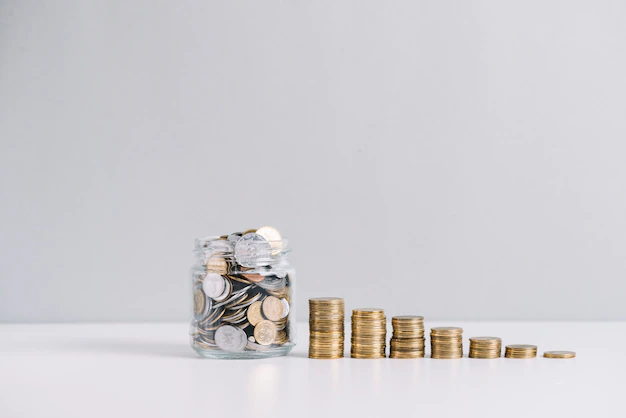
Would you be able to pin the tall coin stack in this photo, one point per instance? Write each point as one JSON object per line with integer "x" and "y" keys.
{"x": 407, "y": 340}
{"x": 446, "y": 342}
{"x": 520, "y": 351}
{"x": 485, "y": 347}
{"x": 326, "y": 327}
{"x": 369, "y": 333}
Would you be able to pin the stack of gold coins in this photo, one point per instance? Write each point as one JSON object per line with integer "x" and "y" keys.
{"x": 407, "y": 340}
{"x": 485, "y": 347}
{"x": 369, "y": 333}
{"x": 520, "y": 351}
{"x": 446, "y": 342}
{"x": 326, "y": 327}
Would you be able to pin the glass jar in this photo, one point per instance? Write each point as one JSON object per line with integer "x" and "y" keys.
{"x": 243, "y": 296}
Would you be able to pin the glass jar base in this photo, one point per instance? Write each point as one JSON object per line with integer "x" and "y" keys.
{"x": 247, "y": 354}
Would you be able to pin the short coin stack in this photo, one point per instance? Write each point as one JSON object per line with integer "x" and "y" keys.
{"x": 326, "y": 327}
{"x": 485, "y": 347}
{"x": 520, "y": 351}
{"x": 407, "y": 340}
{"x": 559, "y": 354}
{"x": 369, "y": 333}
{"x": 446, "y": 342}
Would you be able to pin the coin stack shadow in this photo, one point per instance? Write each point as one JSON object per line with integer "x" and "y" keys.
{"x": 407, "y": 340}
{"x": 485, "y": 347}
{"x": 446, "y": 342}
{"x": 369, "y": 333}
{"x": 520, "y": 351}
{"x": 326, "y": 328}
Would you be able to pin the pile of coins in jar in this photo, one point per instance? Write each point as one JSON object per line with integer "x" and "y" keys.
{"x": 369, "y": 330}
{"x": 242, "y": 293}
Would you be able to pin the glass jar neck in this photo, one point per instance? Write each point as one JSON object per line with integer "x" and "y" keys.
{"x": 244, "y": 253}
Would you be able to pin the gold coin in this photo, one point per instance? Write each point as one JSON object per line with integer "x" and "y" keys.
{"x": 326, "y": 300}
{"x": 254, "y": 313}
{"x": 485, "y": 340}
{"x": 368, "y": 311}
{"x": 559, "y": 354}
{"x": 407, "y": 318}
{"x": 217, "y": 264}
{"x": 521, "y": 347}
{"x": 199, "y": 301}
{"x": 272, "y": 308}
{"x": 446, "y": 330}
{"x": 265, "y": 332}
{"x": 272, "y": 235}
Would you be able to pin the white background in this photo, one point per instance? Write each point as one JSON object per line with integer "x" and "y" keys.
{"x": 446, "y": 158}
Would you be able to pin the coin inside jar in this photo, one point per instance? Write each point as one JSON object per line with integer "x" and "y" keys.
{"x": 230, "y": 338}
{"x": 213, "y": 285}
{"x": 254, "y": 278}
{"x": 253, "y": 250}
{"x": 272, "y": 308}
{"x": 265, "y": 332}
{"x": 285, "y": 308}
{"x": 254, "y": 313}
{"x": 199, "y": 301}
{"x": 272, "y": 235}
{"x": 217, "y": 264}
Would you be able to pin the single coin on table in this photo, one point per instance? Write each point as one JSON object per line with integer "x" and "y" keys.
{"x": 559, "y": 354}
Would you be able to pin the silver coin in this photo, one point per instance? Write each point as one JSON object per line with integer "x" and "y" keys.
{"x": 226, "y": 293}
{"x": 252, "y": 250}
{"x": 234, "y": 237}
{"x": 248, "y": 302}
{"x": 273, "y": 283}
{"x": 229, "y": 338}
{"x": 285, "y": 308}
{"x": 252, "y": 345}
{"x": 235, "y": 319}
{"x": 213, "y": 285}
{"x": 239, "y": 321}
{"x": 217, "y": 247}
{"x": 232, "y": 297}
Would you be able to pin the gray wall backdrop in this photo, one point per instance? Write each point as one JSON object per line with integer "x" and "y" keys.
{"x": 451, "y": 158}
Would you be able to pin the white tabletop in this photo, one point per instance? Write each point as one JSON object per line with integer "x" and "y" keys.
{"x": 148, "y": 370}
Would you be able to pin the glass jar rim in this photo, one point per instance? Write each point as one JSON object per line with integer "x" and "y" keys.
{"x": 218, "y": 245}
